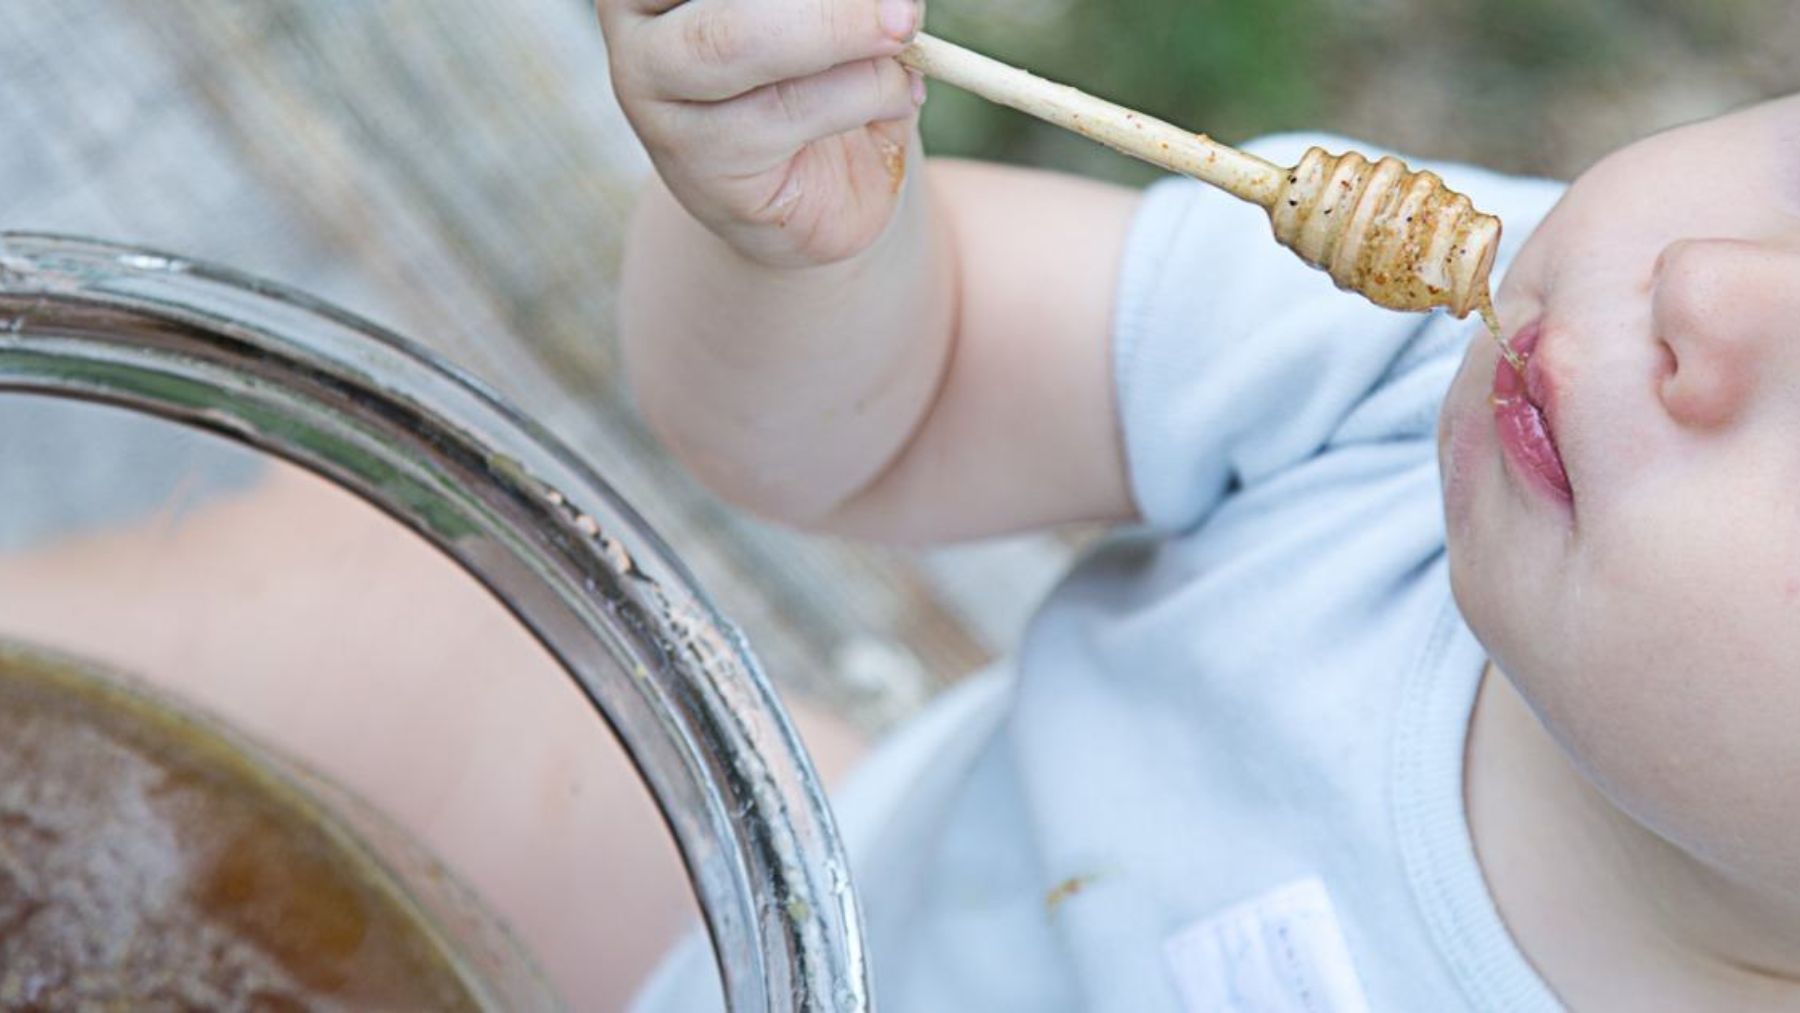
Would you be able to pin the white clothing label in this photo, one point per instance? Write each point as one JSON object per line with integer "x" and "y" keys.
{"x": 1282, "y": 952}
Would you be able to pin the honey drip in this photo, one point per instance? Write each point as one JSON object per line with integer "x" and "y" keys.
{"x": 1492, "y": 319}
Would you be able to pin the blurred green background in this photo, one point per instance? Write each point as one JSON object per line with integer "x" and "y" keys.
{"x": 1529, "y": 86}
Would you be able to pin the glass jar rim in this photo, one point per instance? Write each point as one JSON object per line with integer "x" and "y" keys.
{"x": 435, "y": 449}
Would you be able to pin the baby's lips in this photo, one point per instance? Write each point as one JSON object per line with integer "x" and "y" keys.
{"x": 1541, "y": 384}
{"x": 1523, "y": 406}
{"x": 1525, "y": 340}
{"x": 1537, "y": 385}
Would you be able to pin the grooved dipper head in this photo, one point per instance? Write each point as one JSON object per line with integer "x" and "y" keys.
{"x": 1401, "y": 238}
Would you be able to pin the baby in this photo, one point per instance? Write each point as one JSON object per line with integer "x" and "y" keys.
{"x": 1402, "y": 684}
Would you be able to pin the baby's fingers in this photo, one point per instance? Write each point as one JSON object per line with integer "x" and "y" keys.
{"x": 763, "y": 129}
{"x": 708, "y": 50}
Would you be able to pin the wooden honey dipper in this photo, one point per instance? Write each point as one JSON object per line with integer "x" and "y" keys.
{"x": 1400, "y": 238}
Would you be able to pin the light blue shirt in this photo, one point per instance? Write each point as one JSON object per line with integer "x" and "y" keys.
{"x": 1262, "y": 693}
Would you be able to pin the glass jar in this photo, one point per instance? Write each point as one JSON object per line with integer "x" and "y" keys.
{"x": 322, "y": 538}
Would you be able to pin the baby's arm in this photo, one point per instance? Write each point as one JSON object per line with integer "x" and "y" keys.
{"x": 926, "y": 365}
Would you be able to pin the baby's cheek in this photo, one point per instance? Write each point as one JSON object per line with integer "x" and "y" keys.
{"x": 1682, "y": 684}
{"x": 1460, "y": 441}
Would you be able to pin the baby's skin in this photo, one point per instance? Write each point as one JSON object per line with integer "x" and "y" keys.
{"x": 1634, "y": 785}
{"x": 929, "y": 361}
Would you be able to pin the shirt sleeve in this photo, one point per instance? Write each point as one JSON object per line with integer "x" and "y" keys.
{"x": 1234, "y": 360}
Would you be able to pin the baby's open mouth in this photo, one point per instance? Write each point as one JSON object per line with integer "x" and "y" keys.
{"x": 1523, "y": 416}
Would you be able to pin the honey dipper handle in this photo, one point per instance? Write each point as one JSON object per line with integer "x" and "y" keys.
{"x": 1163, "y": 144}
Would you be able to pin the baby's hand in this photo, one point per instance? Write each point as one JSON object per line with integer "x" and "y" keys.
{"x": 782, "y": 125}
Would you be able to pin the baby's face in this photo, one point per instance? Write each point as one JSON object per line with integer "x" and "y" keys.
{"x": 1648, "y": 605}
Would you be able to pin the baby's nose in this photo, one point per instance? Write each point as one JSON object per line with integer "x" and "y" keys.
{"x": 1727, "y": 312}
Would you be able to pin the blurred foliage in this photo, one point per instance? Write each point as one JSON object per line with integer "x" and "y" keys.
{"x": 1541, "y": 86}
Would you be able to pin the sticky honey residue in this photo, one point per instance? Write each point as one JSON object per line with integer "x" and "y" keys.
{"x": 1492, "y": 319}
{"x": 893, "y": 159}
{"x": 1066, "y": 889}
{"x": 147, "y": 864}
{"x": 1398, "y": 237}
